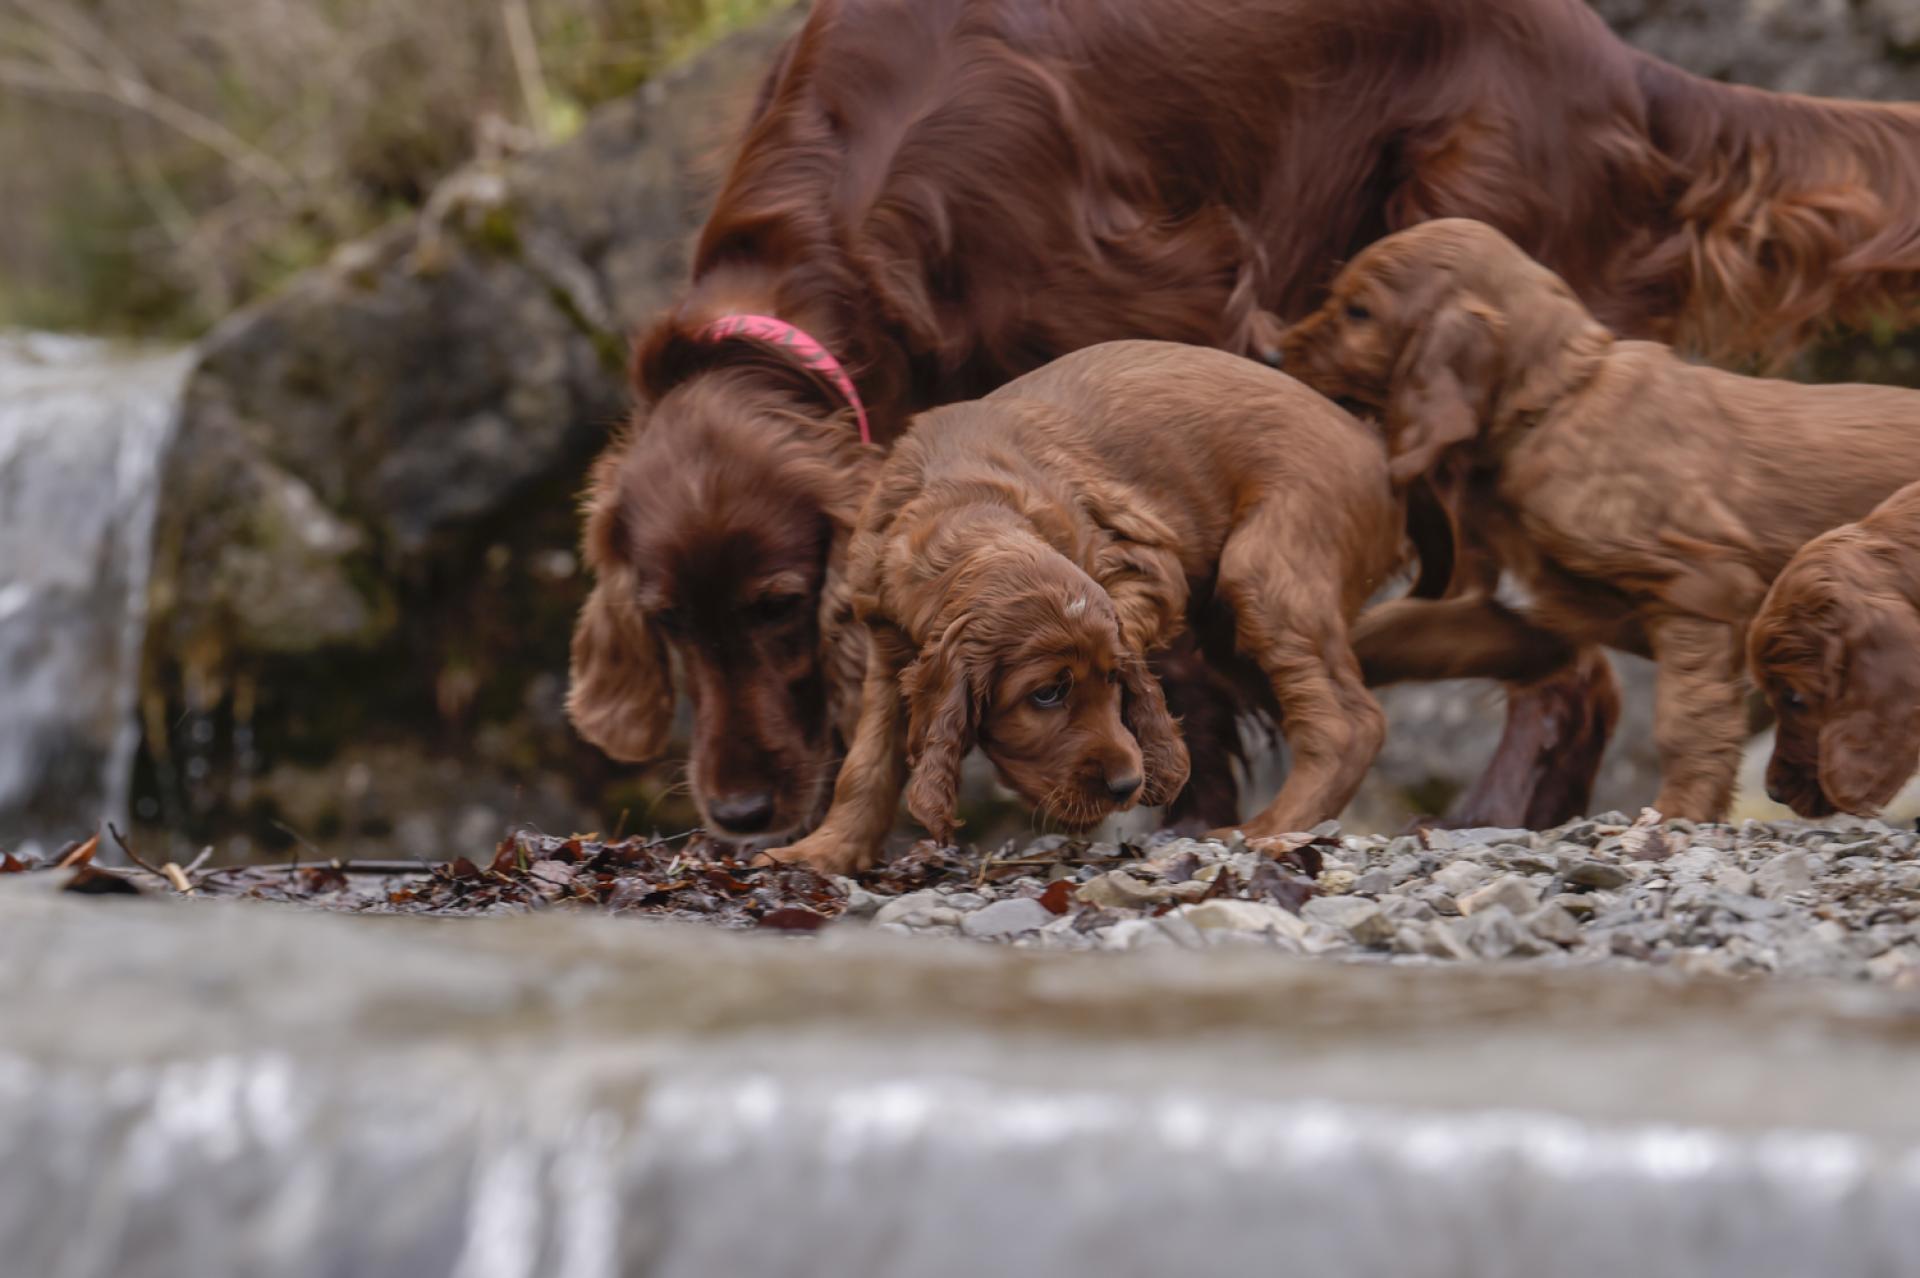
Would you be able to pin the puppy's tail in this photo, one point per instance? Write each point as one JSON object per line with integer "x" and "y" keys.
{"x": 1786, "y": 214}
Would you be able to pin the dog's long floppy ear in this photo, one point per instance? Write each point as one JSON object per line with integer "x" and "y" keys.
{"x": 941, "y": 719}
{"x": 1872, "y": 746}
{"x": 1442, "y": 387}
{"x": 1163, "y": 751}
{"x": 618, "y": 694}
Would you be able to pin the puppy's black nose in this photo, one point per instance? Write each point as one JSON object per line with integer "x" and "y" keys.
{"x": 1773, "y": 792}
{"x": 1122, "y": 787}
{"x": 747, "y": 813}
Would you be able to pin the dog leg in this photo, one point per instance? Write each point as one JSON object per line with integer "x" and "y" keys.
{"x": 1289, "y": 623}
{"x": 866, "y": 795}
{"x": 1699, "y": 716}
{"x": 1562, "y": 701}
{"x": 1543, "y": 770}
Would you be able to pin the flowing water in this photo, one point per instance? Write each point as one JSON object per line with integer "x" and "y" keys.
{"x": 226, "y": 1090}
{"x": 84, "y": 426}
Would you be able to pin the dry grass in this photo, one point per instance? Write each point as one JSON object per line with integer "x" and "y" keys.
{"x": 162, "y": 161}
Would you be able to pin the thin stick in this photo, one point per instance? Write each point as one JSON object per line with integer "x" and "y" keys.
{"x": 176, "y": 876}
{"x": 133, "y": 856}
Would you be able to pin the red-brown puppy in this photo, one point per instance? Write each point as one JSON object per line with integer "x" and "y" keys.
{"x": 1645, "y": 502}
{"x": 1836, "y": 649}
{"x": 1023, "y": 554}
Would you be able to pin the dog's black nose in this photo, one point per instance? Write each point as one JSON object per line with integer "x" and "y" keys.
{"x": 1773, "y": 792}
{"x": 748, "y": 813}
{"x": 1122, "y": 787}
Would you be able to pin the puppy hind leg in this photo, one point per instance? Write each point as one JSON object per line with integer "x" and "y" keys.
{"x": 1288, "y": 621}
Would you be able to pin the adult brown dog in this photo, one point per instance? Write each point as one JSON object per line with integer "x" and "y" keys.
{"x": 1024, "y": 553}
{"x": 1836, "y": 649}
{"x": 948, "y": 193}
{"x": 1645, "y": 502}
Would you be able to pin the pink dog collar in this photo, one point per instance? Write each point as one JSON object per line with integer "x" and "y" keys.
{"x": 807, "y": 352}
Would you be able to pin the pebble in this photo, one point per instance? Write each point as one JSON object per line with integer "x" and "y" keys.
{"x": 1509, "y": 890}
{"x": 1245, "y": 916}
{"x": 1334, "y": 882}
{"x": 1359, "y": 918}
{"x": 1595, "y": 874}
{"x": 1007, "y": 918}
{"x": 904, "y": 909}
{"x": 1787, "y": 872}
{"x": 1460, "y": 876}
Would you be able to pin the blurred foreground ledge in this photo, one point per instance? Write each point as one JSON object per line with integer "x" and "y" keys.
{"x": 227, "y": 1089}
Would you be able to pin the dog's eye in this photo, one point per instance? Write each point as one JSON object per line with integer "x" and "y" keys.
{"x": 1054, "y": 695}
{"x": 1357, "y": 313}
{"x": 1793, "y": 700}
{"x": 778, "y": 608}
{"x": 670, "y": 621}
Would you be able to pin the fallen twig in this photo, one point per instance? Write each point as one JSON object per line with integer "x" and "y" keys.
{"x": 133, "y": 856}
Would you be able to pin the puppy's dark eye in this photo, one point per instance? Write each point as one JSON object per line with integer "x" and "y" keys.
{"x": 774, "y": 609}
{"x": 1792, "y": 700}
{"x": 1357, "y": 313}
{"x": 670, "y": 621}
{"x": 1054, "y": 695}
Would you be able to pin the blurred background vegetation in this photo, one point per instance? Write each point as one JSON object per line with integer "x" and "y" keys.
{"x": 163, "y": 161}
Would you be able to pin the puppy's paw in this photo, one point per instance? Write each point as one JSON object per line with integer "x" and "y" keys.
{"x": 821, "y": 851}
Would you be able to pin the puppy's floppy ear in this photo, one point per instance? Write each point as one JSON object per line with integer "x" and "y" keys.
{"x": 941, "y": 702}
{"x": 618, "y": 694}
{"x": 1163, "y": 752}
{"x": 1873, "y": 745}
{"x": 1442, "y": 387}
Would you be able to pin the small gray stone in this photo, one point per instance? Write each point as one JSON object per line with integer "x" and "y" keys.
{"x": 1374, "y": 882}
{"x": 1789, "y": 872}
{"x": 1357, "y": 917}
{"x": 1245, "y": 916}
{"x": 964, "y": 900}
{"x": 1007, "y": 918}
{"x": 1594, "y": 874}
{"x": 1554, "y": 924}
{"x": 861, "y": 903}
{"x": 909, "y": 908}
{"x": 1693, "y": 865}
{"x": 1510, "y": 890}
{"x": 1440, "y": 940}
{"x": 1457, "y": 877}
{"x": 1731, "y": 878}
{"x": 1493, "y": 933}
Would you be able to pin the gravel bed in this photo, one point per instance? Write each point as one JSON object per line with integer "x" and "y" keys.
{"x": 1837, "y": 899}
